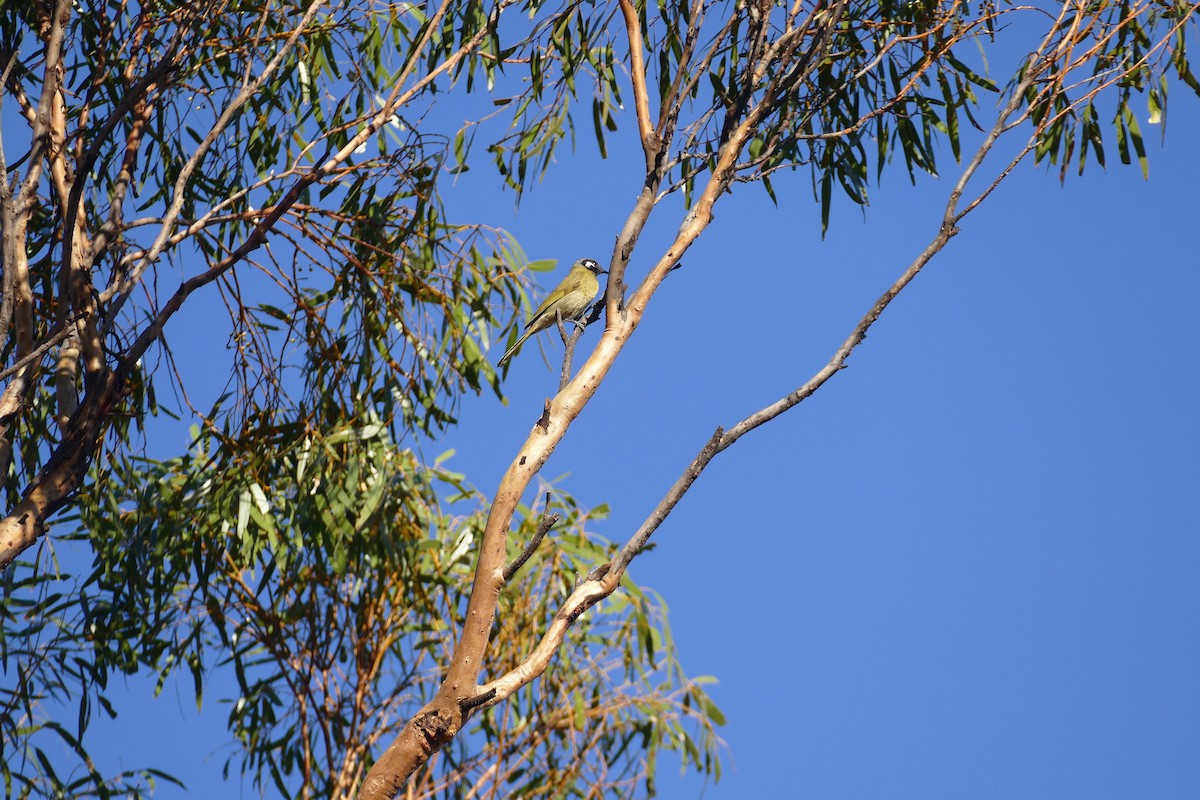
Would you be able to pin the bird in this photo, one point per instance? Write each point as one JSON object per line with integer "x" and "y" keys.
{"x": 568, "y": 300}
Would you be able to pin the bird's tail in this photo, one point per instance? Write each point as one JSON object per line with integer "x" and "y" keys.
{"x": 508, "y": 354}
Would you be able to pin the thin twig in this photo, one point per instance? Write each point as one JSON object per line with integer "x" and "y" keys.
{"x": 569, "y": 342}
{"x": 39, "y": 351}
{"x": 548, "y": 522}
{"x": 681, "y": 486}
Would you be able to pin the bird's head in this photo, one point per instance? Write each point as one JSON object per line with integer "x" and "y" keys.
{"x": 591, "y": 266}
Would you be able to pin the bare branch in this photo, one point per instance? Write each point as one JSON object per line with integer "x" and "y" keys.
{"x": 5, "y": 189}
{"x": 39, "y": 351}
{"x": 442, "y": 717}
{"x": 605, "y": 579}
{"x": 548, "y": 521}
{"x": 651, "y": 142}
{"x": 669, "y": 108}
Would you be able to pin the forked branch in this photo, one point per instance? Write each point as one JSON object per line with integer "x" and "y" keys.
{"x": 602, "y": 582}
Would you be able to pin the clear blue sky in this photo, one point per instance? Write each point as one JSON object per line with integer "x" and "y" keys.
{"x": 970, "y": 565}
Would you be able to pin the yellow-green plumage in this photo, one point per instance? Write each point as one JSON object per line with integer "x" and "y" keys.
{"x": 569, "y": 300}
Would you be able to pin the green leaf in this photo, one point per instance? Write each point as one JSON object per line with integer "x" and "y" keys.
{"x": 1135, "y": 136}
{"x": 970, "y": 74}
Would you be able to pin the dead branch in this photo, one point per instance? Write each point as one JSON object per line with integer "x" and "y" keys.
{"x": 548, "y": 521}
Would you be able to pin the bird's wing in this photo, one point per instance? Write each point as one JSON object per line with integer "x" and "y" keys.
{"x": 546, "y": 306}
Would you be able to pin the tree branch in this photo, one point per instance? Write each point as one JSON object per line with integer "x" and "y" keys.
{"x": 56, "y": 336}
{"x": 17, "y": 209}
{"x": 227, "y": 116}
{"x": 442, "y": 717}
{"x": 605, "y": 579}
{"x": 398, "y": 97}
{"x": 548, "y": 521}
{"x": 651, "y": 142}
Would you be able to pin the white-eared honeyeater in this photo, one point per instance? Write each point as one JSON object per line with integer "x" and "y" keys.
{"x": 569, "y": 300}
